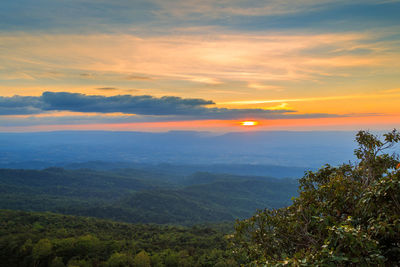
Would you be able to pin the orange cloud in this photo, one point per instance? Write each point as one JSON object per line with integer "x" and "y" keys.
{"x": 384, "y": 94}
{"x": 192, "y": 57}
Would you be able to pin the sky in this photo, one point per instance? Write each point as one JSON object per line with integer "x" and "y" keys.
{"x": 160, "y": 65}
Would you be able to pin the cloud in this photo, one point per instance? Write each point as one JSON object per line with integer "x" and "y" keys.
{"x": 166, "y": 107}
{"x": 117, "y": 15}
{"x": 112, "y": 89}
{"x": 137, "y": 78}
{"x": 18, "y": 105}
{"x": 280, "y": 106}
{"x": 64, "y": 101}
{"x": 107, "y": 88}
{"x": 266, "y": 87}
{"x": 127, "y": 104}
{"x": 396, "y": 90}
{"x": 382, "y": 94}
{"x": 210, "y": 59}
{"x": 143, "y": 104}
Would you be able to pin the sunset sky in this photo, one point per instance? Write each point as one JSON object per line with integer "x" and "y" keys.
{"x": 160, "y": 65}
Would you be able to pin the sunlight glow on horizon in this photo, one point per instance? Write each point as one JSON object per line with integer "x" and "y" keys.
{"x": 224, "y": 126}
{"x": 249, "y": 123}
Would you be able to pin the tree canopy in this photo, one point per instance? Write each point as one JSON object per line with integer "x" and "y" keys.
{"x": 344, "y": 216}
{"x": 47, "y": 239}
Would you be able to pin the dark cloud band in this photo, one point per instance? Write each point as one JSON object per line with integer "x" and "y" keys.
{"x": 143, "y": 104}
{"x": 128, "y": 104}
{"x": 167, "y": 107}
{"x": 20, "y": 105}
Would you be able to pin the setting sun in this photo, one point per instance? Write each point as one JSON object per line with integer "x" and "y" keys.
{"x": 249, "y": 123}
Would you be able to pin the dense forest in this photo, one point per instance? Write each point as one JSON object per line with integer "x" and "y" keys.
{"x": 346, "y": 215}
{"x": 142, "y": 196}
{"x": 46, "y": 239}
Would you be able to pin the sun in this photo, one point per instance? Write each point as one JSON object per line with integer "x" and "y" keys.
{"x": 248, "y": 123}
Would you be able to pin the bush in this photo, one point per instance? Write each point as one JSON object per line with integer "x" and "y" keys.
{"x": 344, "y": 216}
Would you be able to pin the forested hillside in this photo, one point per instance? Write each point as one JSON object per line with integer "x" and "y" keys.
{"x": 143, "y": 196}
{"x": 345, "y": 215}
{"x": 46, "y": 239}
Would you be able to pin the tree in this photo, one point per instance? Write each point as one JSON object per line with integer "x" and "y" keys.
{"x": 57, "y": 262}
{"x": 120, "y": 260}
{"x": 156, "y": 260}
{"x": 171, "y": 259}
{"x": 42, "y": 250}
{"x": 344, "y": 216}
{"x": 142, "y": 259}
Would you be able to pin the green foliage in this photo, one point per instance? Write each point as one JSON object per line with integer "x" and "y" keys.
{"x": 344, "y": 216}
{"x": 79, "y": 263}
{"x": 171, "y": 259}
{"x": 142, "y": 259}
{"x": 57, "y": 262}
{"x": 156, "y": 261}
{"x": 120, "y": 260}
{"x": 80, "y": 241}
{"x": 42, "y": 249}
{"x": 142, "y": 197}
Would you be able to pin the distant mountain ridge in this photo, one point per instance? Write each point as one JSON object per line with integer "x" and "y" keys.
{"x": 295, "y": 149}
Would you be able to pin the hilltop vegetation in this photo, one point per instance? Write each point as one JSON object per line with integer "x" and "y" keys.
{"x": 344, "y": 216}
